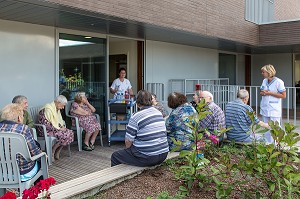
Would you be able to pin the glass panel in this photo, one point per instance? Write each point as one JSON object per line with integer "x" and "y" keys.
{"x": 82, "y": 67}
{"x": 227, "y": 67}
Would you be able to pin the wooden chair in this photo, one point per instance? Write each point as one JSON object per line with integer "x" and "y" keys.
{"x": 12, "y": 144}
{"x": 77, "y": 128}
{"x": 46, "y": 142}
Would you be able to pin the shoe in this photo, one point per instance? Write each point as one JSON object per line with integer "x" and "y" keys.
{"x": 86, "y": 147}
{"x": 92, "y": 146}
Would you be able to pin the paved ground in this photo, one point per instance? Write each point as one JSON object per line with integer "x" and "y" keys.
{"x": 83, "y": 162}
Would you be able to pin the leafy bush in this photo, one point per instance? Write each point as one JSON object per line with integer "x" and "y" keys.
{"x": 253, "y": 171}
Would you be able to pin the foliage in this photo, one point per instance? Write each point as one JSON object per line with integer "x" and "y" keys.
{"x": 258, "y": 171}
{"x": 74, "y": 82}
{"x": 40, "y": 190}
{"x": 165, "y": 195}
{"x": 204, "y": 141}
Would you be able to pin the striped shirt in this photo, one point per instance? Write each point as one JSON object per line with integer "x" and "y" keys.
{"x": 238, "y": 119}
{"x": 147, "y": 130}
{"x": 24, "y": 165}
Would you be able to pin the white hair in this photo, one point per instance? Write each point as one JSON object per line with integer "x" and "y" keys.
{"x": 61, "y": 99}
{"x": 242, "y": 94}
{"x": 208, "y": 94}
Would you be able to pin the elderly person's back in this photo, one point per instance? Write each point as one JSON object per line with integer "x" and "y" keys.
{"x": 176, "y": 123}
{"x": 12, "y": 116}
{"x": 214, "y": 121}
{"x": 145, "y": 140}
{"x": 50, "y": 116}
{"x": 238, "y": 121}
{"x": 82, "y": 109}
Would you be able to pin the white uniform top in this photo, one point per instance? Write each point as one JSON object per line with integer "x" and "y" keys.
{"x": 271, "y": 106}
{"x": 121, "y": 86}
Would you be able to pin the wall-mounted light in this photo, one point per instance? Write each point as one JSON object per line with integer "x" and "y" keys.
{"x": 88, "y": 37}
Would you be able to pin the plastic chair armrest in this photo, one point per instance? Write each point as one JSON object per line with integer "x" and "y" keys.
{"x": 34, "y": 134}
{"x": 38, "y": 156}
{"x": 97, "y": 117}
{"x": 44, "y": 129}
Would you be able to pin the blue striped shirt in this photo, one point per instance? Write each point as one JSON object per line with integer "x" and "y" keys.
{"x": 147, "y": 130}
{"x": 238, "y": 119}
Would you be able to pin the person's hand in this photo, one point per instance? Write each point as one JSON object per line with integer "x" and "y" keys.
{"x": 85, "y": 100}
{"x": 264, "y": 92}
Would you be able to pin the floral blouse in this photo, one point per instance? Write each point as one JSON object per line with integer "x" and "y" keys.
{"x": 177, "y": 128}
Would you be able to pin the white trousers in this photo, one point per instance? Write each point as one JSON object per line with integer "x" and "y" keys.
{"x": 268, "y": 137}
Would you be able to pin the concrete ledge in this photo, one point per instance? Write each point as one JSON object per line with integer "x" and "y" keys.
{"x": 93, "y": 183}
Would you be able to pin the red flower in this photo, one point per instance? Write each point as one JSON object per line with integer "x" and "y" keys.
{"x": 9, "y": 195}
{"x": 41, "y": 187}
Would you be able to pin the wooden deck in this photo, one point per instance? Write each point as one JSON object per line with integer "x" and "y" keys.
{"x": 84, "y": 162}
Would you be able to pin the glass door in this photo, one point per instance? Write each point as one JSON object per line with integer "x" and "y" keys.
{"x": 82, "y": 67}
{"x": 227, "y": 67}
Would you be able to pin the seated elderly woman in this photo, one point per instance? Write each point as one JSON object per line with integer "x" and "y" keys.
{"x": 12, "y": 115}
{"x": 82, "y": 109}
{"x": 50, "y": 116}
{"x": 156, "y": 104}
{"x": 176, "y": 122}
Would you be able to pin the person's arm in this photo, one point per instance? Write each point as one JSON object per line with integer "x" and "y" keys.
{"x": 264, "y": 125}
{"x": 270, "y": 93}
{"x": 78, "y": 110}
{"x": 130, "y": 91}
{"x": 29, "y": 121}
{"x": 128, "y": 143}
{"x": 112, "y": 91}
{"x": 91, "y": 107}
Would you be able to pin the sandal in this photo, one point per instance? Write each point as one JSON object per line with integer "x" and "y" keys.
{"x": 92, "y": 146}
{"x": 86, "y": 147}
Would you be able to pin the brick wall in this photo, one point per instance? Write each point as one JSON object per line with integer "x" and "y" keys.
{"x": 215, "y": 18}
{"x": 287, "y": 9}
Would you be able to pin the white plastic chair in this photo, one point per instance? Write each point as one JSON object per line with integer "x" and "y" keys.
{"x": 46, "y": 142}
{"x": 12, "y": 144}
{"x": 77, "y": 128}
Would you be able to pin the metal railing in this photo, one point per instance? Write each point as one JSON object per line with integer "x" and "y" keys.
{"x": 226, "y": 93}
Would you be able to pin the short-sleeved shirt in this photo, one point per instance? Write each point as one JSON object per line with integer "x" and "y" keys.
{"x": 146, "y": 129}
{"x": 271, "y": 106}
{"x": 121, "y": 86}
{"x": 238, "y": 119}
{"x": 213, "y": 121}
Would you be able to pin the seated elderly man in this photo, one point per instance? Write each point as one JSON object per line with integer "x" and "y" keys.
{"x": 22, "y": 100}
{"x": 12, "y": 116}
{"x": 146, "y": 138}
{"x": 215, "y": 120}
{"x": 238, "y": 119}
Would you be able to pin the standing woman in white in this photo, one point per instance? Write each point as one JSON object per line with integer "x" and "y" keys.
{"x": 272, "y": 91}
{"x": 121, "y": 84}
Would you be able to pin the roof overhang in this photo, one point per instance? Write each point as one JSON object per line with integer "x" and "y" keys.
{"x": 49, "y": 14}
